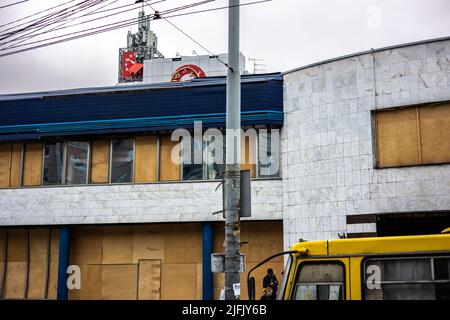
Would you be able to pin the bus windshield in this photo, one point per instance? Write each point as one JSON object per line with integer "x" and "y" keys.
{"x": 287, "y": 269}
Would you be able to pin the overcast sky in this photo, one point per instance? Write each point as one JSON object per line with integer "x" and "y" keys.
{"x": 285, "y": 33}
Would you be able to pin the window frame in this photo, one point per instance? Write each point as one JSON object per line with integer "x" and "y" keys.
{"x": 134, "y": 158}
{"x": 63, "y": 166}
{"x": 403, "y": 257}
{"x": 64, "y": 163}
{"x": 375, "y": 135}
{"x": 301, "y": 264}
{"x": 88, "y": 163}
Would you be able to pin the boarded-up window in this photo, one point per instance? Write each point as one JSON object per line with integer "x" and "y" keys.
{"x": 32, "y": 166}
{"x": 413, "y": 136}
{"x": 169, "y": 168}
{"x": 100, "y": 161}
{"x": 435, "y": 133}
{"x": 10, "y": 165}
{"x": 5, "y": 164}
{"x": 248, "y": 152}
{"x": 16, "y": 276}
{"x": 146, "y": 158}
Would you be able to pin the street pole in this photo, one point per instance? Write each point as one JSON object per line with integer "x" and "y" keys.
{"x": 233, "y": 148}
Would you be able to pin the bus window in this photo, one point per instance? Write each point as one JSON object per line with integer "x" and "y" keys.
{"x": 419, "y": 278}
{"x": 320, "y": 281}
{"x": 287, "y": 269}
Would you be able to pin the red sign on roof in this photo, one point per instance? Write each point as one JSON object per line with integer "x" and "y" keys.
{"x": 128, "y": 61}
{"x": 187, "y": 72}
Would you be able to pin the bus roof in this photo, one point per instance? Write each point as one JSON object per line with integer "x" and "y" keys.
{"x": 379, "y": 245}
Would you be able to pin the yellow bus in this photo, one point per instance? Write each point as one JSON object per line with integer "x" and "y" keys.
{"x": 384, "y": 268}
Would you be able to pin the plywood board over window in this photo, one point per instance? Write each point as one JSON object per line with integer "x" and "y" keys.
{"x": 91, "y": 283}
{"x": 248, "y": 153}
{"x": 170, "y": 169}
{"x": 100, "y": 161}
{"x": 435, "y": 133}
{"x": 54, "y": 262}
{"x": 17, "y": 266}
{"x": 16, "y": 165}
{"x": 5, "y": 165}
{"x": 397, "y": 138}
{"x": 149, "y": 286}
{"x": 32, "y": 167}
{"x": 119, "y": 282}
{"x": 37, "y": 276}
{"x": 86, "y": 245}
{"x": 10, "y": 165}
{"x": 117, "y": 245}
{"x": 146, "y": 158}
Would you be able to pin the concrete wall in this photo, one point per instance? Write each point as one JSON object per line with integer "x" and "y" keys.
{"x": 328, "y": 145}
{"x": 159, "y": 202}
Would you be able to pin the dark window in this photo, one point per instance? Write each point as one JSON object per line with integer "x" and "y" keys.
{"x": 421, "y": 278}
{"x": 122, "y": 157}
{"x": 215, "y": 157}
{"x": 193, "y": 160}
{"x": 320, "y": 281}
{"x": 53, "y": 163}
{"x": 76, "y": 162}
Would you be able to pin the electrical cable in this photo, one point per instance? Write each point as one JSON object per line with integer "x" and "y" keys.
{"x": 13, "y": 4}
{"x": 32, "y": 15}
{"x": 187, "y": 35}
{"x": 31, "y": 35}
{"x": 119, "y": 26}
{"x": 132, "y": 21}
{"x": 51, "y": 16}
{"x": 61, "y": 26}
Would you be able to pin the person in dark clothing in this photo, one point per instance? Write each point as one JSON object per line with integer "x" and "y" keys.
{"x": 270, "y": 281}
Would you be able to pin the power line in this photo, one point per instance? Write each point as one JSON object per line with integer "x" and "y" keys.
{"x": 179, "y": 29}
{"x": 32, "y": 15}
{"x": 187, "y": 35}
{"x": 116, "y": 26}
{"x": 130, "y": 21}
{"x": 62, "y": 20}
{"x": 218, "y": 8}
{"x": 13, "y": 4}
{"x": 60, "y": 27}
{"x": 51, "y": 17}
{"x": 33, "y": 34}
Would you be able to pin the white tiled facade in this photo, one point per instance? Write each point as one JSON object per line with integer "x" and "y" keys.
{"x": 327, "y": 158}
{"x": 114, "y": 204}
{"x": 328, "y": 146}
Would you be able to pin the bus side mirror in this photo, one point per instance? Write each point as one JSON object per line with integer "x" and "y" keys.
{"x": 251, "y": 288}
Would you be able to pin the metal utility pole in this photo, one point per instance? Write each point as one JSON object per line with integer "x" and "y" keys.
{"x": 233, "y": 148}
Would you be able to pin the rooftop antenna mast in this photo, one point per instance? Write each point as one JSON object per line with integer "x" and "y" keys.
{"x": 142, "y": 46}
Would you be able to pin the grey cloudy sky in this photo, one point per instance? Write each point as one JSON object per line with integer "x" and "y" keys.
{"x": 285, "y": 33}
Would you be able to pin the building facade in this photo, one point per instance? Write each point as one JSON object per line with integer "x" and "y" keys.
{"x": 87, "y": 176}
{"x": 366, "y": 144}
{"x": 89, "y": 179}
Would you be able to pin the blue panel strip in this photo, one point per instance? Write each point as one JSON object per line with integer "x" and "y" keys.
{"x": 64, "y": 252}
{"x": 208, "y": 244}
{"x": 150, "y": 123}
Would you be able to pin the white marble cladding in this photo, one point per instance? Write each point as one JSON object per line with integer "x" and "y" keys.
{"x": 160, "y": 202}
{"x": 328, "y": 153}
